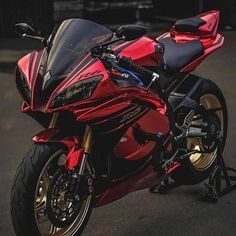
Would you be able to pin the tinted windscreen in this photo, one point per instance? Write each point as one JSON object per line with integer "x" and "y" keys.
{"x": 71, "y": 43}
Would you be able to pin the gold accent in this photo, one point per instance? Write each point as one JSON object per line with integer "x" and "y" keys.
{"x": 45, "y": 227}
{"x": 87, "y": 140}
{"x": 53, "y": 121}
{"x": 199, "y": 161}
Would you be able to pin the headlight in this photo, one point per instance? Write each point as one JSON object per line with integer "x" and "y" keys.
{"x": 22, "y": 86}
{"x": 76, "y": 92}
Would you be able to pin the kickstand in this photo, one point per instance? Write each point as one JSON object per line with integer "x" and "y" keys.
{"x": 219, "y": 173}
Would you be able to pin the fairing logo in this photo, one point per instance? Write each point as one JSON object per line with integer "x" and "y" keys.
{"x": 131, "y": 114}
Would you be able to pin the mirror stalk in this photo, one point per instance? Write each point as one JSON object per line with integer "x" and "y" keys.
{"x": 41, "y": 39}
{"x": 101, "y": 47}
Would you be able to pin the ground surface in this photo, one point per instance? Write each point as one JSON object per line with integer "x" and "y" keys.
{"x": 140, "y": 214}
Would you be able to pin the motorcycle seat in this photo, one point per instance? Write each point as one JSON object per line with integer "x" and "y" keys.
{"x": 178, "y": 55}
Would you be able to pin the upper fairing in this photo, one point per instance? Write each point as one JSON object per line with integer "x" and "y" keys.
{"x": 65, "y": 63}
{"x": 69, "y": 45}
{"x": 26, "y": 65}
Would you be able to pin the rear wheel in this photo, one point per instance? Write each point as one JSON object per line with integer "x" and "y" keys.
{"x": 39, "y": 201}
{"x": 198, "y": 166}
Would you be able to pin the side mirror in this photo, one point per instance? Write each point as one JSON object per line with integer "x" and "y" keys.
{"x": 23, "y": 28}
{"x": 131, "y": 32}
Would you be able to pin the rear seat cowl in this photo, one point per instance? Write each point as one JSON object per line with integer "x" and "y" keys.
{"x": 191, "y": 24}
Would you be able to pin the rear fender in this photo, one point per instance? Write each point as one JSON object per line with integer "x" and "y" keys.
{"x": 75, "y": 151}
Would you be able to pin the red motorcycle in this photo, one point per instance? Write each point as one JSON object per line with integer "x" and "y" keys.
{"x": 121, "y": 112}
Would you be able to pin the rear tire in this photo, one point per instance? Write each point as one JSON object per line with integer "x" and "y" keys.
{"x": 195, "y": 168}
{"x": 25, "y": 188}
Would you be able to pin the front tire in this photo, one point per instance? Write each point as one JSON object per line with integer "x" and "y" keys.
{"x": 29, "y": 194}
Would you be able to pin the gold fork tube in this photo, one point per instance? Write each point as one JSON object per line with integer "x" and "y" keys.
{"x": 53, "y": 121}
{"x": 87, "y": 140}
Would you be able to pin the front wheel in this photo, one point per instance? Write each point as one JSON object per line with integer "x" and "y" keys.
{"x": 198, "y": 166}
{"x": 40, "y": 203}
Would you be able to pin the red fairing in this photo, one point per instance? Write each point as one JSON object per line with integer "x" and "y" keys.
{"x": 45, "y": 135}
{"x": 115, "y": 100}
{"x": 74, "y": 157}
{"x": 144, "y": 179}
{"x": 129, "y": 148}
{"x": 207, "y": 35}
{"x": 142, "y": 51}
{"x": 206, "y": 32}
{"x": 30, "y": 66}
{"x": 50, "y": 135}
{"x": 27, "y": 66}
{"x": 115, "y": 105}
{"x": 97, "y": 68}
{"x": 72, "y": 143}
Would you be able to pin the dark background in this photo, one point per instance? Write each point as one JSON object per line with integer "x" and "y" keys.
{"x": 178, "y": 213}
{"x": 44, "y": 14}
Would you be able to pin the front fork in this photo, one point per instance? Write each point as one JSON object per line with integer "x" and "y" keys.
{"x": 86, "y": 145}
{"x": 86, "y": 181}
{"x": 78, "y": 168}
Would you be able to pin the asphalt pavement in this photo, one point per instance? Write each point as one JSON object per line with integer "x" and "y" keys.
{"x": 176, "y": 213}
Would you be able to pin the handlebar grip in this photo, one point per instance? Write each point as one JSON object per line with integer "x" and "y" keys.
{"x": 129, "y": 64}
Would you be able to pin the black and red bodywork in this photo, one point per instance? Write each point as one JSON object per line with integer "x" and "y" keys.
{"x": 114, "y": 110}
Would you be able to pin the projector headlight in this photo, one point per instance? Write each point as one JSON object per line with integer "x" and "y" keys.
{"x": 76, "y": 92}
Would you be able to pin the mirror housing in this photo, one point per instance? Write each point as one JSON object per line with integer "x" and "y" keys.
{"x": 23, "y": 28}
{"x": 131, "y": 32}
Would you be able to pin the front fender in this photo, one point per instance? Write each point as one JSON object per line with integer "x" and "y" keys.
{"x": 72, "y": 143}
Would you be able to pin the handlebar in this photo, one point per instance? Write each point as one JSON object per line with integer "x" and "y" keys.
{"x": 129, "y": 64}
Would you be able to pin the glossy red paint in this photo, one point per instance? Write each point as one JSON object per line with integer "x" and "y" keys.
{"x": 143, "y": 179}
{"x": 206, "y": 32}
{"x": 74, "y": 156}
{"x": 207, "y": 35}
{"x": 45, "y": 135}
{"x": 112, "y": 107}
{"x": 36, "y": 97}
{"x": 129, "y": 148}
{"x": 27, "y": 67}
{"x": 115, "y": 103}
{"x": 70, "y": 142}
{"x": 50, "y": 135}
{"x": 25, "y": 107}
{"x": 30, "y": 65}
{"x": 175, "y": 166}
{"x": 143, "y": 52}
{"x": 217, "y": 43}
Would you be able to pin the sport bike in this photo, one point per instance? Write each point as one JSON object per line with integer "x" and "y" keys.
{"x": 121, "y": 112}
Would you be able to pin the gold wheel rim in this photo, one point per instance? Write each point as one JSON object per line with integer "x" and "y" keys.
{"x": 202, "y": 162}
{"x": 45, "y": 227}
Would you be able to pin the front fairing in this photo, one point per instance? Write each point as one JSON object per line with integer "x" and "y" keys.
{"x": 69, "y": 45}
{"x": 48, "y": 72}
{"x": 66, "y": 60}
